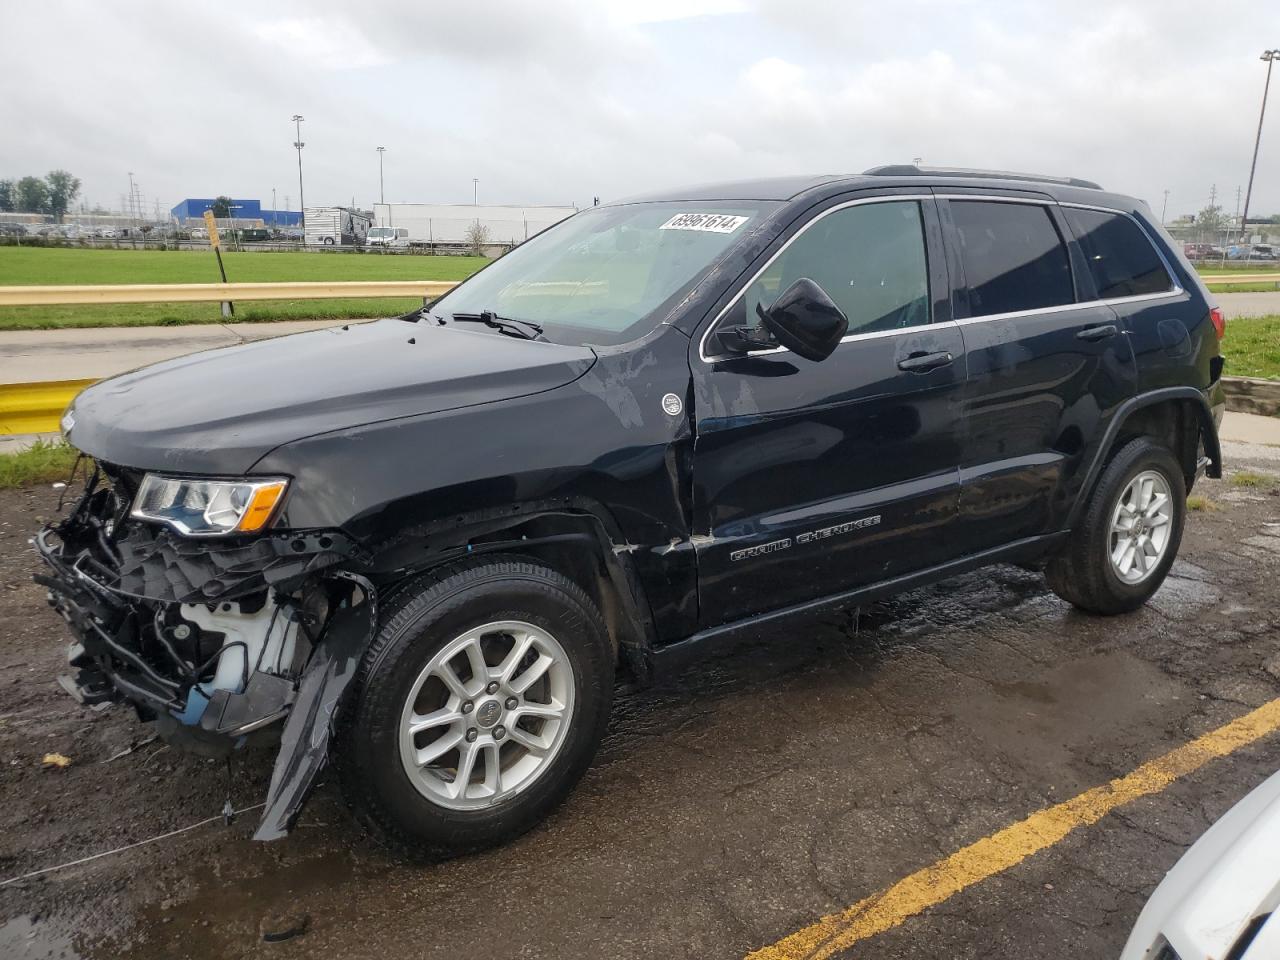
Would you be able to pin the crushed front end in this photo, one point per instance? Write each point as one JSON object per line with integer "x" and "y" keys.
{"x": 211, "y": 638}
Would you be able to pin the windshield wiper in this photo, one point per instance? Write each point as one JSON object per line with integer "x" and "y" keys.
{"x": 524, "y": 329}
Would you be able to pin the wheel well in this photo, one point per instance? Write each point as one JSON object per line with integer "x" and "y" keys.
{"x": 575, "y": 545}
{"x": 1173, "y": 423}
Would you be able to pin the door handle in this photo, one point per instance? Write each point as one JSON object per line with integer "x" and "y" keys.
{"x": 1100, "y": 332}
{"x": 924, "y": 362}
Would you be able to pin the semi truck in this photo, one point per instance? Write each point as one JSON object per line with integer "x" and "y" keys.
{"x": 446, "y": 226}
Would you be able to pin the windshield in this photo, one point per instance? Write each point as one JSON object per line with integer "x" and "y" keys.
{"x": 381, "y": 232}
{"x": 599, "y": 277}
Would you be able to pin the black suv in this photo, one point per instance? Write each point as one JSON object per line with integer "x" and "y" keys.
{"x": 421, "y": 548}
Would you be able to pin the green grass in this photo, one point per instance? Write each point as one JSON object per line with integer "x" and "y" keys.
{"x": 1252, "y": 347}
{"x": 43, "y": 462}
{"x": 1199, "y": 504}
{"x": 1270, "y": 286}
{"x": 1246, "y": 478}
{"x": 49, "y": 266}
{"x": 1236, "y": 267}
{"x": 179, "y": 314}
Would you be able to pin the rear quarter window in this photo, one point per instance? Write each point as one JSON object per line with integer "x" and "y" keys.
{"x": 1121, "y": 259}
{"x": 1013, "y": 257}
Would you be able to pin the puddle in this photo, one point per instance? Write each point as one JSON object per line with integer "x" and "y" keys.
{"x": 24, "y": 938}
{"x": 1179, "y": 597}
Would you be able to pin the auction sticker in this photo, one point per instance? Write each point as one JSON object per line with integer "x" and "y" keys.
{"x": 707, "y": 222}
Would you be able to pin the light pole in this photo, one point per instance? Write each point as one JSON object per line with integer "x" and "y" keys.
{"x": 1270, "y": 56}
{"x": 297, "y": 119}
{"x": 475, "y": 191}
{"x": 1165, "y": 208}
{"x": 382, "y": 192}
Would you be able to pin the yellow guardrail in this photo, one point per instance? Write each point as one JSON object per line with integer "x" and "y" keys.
{"x": 1241, "y": 277}
{"x": 36, "y": 407}
{"x": 16, "y": 296}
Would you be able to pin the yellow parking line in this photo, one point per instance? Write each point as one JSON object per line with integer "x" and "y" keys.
{"x": 1008, "y": 847}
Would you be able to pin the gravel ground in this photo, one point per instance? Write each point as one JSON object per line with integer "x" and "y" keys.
{"x": 729, "y": 806}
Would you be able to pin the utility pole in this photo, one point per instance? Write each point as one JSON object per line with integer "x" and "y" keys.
{"x": 475, "y": 191}
{"x": 273, "y": 208}
{"x": 1165, "y": 208}
{"x": 298, "y": 145}
{"x": 382, "y": 193}
{"x": 1239, "y": 222}
{"x": 1270, "y": 56}
{"x": 132, "y": 211}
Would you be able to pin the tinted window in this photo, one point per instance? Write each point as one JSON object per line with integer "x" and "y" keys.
{"x": 1120, "y": 257}
{"x": 1013, "y": 257}
{"x": 869, "y": 258}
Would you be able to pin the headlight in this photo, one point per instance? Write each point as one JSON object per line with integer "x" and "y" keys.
{"x": 208, "y": 508}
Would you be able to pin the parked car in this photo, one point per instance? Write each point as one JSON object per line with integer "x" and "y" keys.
{"x": 1220, "y": 899}
{"x": 1256, "y": 251}
{"x": 389, "y": 238}
{"x": 656, "y": 427}
{"x": 12, "y": 228}
{"x": 1202, "y": 251}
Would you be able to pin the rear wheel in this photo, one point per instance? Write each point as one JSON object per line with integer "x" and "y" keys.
{"x": 480, "y": 704}
{"x": 1127, "y": 539}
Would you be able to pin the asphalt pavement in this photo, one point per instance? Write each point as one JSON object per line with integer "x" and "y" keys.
{"x": 735, "y": 807}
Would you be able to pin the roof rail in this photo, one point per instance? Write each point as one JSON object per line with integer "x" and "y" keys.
{"x": 911, "y": 170}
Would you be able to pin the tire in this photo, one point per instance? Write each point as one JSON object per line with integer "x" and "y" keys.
{"x": 422, "y": 812}
{"x": 328, "y": 241}
{"x": 1084, "y": 573}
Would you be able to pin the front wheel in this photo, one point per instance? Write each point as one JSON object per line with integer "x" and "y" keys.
{"x": 478, "y": 707}
{"x": 1127, "y": 539}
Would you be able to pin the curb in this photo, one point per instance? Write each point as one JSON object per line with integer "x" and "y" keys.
{"x": 1252, "y": 395}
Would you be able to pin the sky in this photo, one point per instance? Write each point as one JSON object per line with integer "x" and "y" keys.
{"x": 561, "y": 101}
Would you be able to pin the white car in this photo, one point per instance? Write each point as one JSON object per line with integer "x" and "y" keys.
{"x": 1219, "y": 901}
{"x": 392, "y": 238}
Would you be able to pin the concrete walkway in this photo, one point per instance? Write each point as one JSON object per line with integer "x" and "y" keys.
{"x": 28, "y": 356}
{"x": 1238, "y": 306}
{"x": 1240, "y": 433}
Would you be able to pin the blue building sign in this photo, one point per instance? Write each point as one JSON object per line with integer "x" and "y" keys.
{"x": 194, "y": 208}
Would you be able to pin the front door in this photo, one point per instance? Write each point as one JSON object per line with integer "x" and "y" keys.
{"x": 814, "y": 478}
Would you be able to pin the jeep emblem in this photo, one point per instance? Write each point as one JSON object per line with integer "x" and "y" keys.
{"x": 671, "y": 405}
{"x": 488, "y": 713}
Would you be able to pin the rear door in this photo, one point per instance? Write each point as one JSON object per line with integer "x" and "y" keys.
{"x": 813, "y": 478}
{"x": 1165, "y": 323}
{"x": 1047, "y": 365}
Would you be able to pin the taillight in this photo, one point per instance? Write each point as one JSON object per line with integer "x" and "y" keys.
{"x": 1219, "y": 321}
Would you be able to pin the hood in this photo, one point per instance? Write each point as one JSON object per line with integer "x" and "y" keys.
{"x": 220, "y": 411}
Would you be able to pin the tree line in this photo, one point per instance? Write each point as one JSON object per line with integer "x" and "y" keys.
{"x": 52, "y": 194}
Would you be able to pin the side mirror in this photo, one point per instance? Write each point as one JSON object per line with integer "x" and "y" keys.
{"x": 805, "y": 320}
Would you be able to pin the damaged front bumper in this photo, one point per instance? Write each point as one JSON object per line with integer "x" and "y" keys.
{"x": 211, "y": 640}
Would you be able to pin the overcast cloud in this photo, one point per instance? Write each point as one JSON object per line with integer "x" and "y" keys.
{"x": 557, "y": 102}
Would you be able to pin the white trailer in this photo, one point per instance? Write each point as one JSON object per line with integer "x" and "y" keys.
{"x": 449, "y": 225}
{"x": 331, "y": 226}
